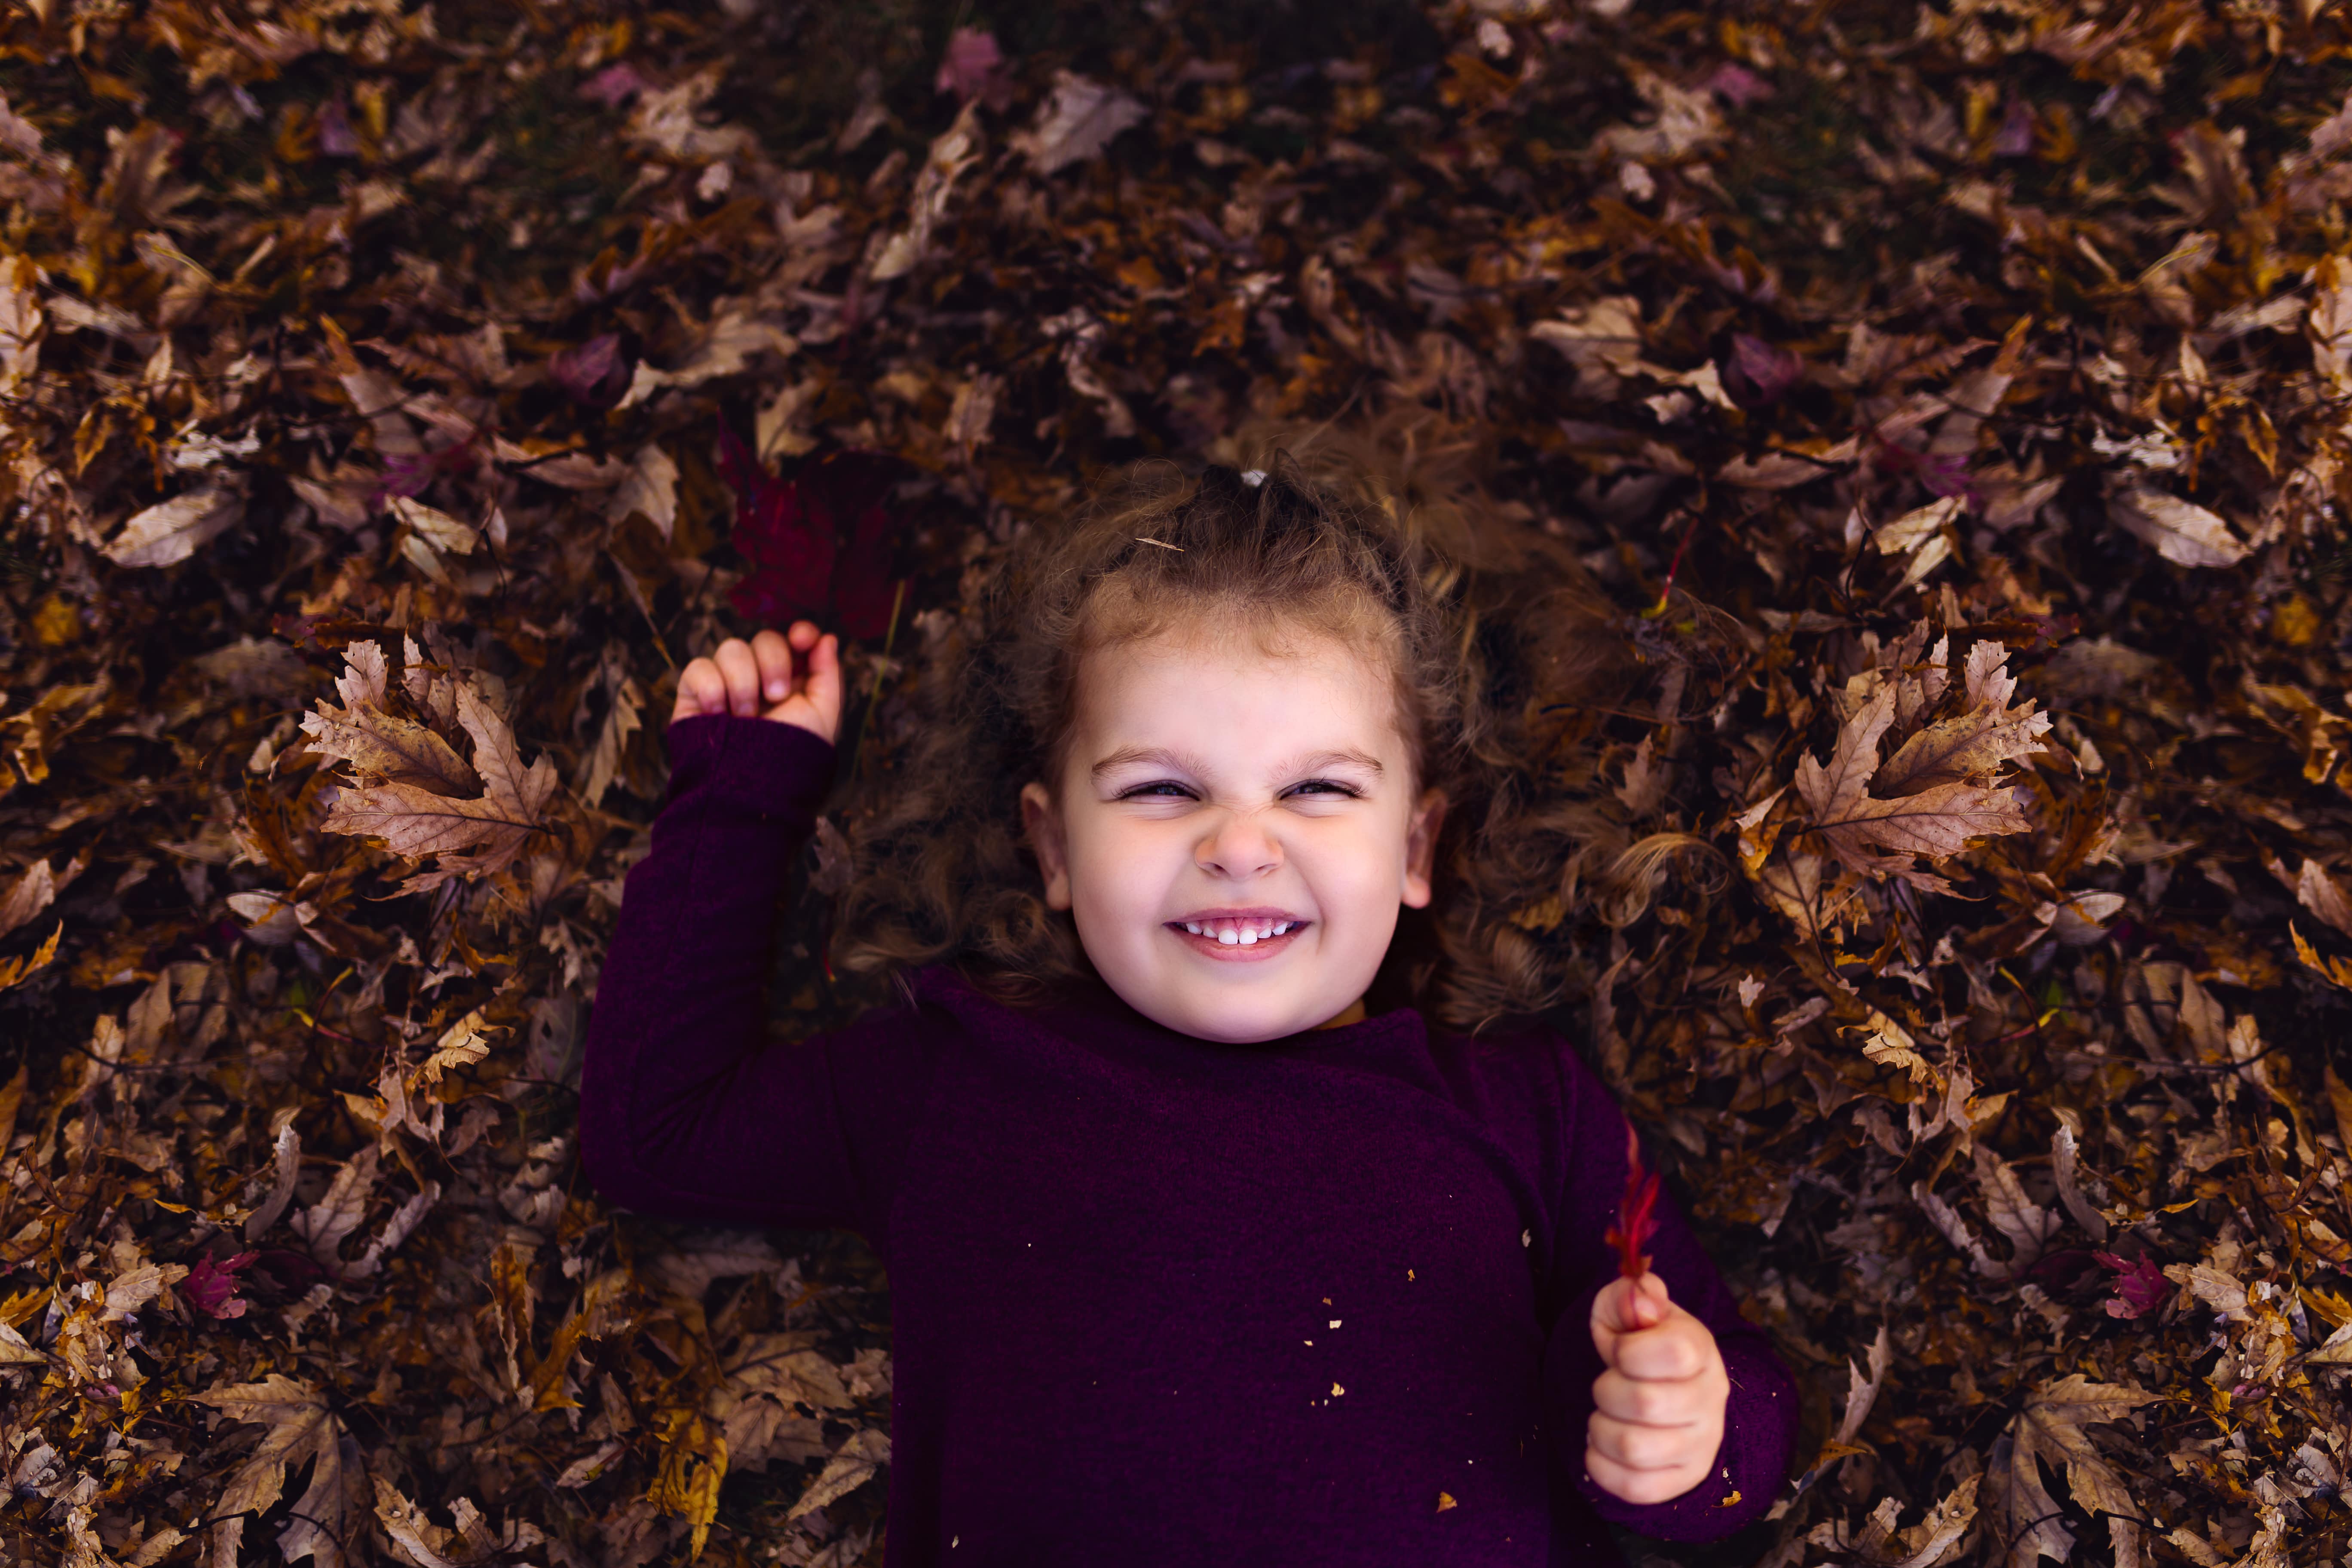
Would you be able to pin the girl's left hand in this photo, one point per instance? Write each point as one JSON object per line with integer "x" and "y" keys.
{"x": 1657, "y": 1418}
{"x": 759, "y": 680}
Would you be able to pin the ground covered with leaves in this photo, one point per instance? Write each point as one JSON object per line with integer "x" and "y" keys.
{"x": 394, "y": 397}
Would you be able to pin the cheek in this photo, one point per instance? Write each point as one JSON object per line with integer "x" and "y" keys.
{"x": 1117, "y": 866}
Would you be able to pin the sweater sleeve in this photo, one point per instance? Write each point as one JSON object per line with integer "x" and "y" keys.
{"x": 1760, "y": 1418}
{"x": 686, "y": 1109}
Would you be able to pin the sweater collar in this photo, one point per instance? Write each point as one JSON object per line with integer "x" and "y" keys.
{"x": 1090, "y": 1004}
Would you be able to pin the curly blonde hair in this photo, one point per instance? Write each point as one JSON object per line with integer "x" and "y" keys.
{"x": 1501, "y": 648}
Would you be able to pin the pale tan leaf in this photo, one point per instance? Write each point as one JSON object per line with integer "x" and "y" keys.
{"x": 852, "y": 1466}
{"x": 465, "y": 1042}
{"x": 621, "y": 721}
{"x": 288, "y": 1154}
{"x": 415, "y": 821}
{"x": 300, "y": 1429}
{"x": 1933, "y": 1538}
{"x": 1077, "y": 123}
{"x": 2317, "y": 891}
{"x": 391, "y": 748}
{"x": 1914, "y": 528}
{"x": 1862, "y": 1392}
{"x": 1834, "y": 792}
{"x": 170, "y": 531}
{"x": 1983, "y": 740}
{"x": 410, "y": 1530}
{"x": 2028, "y": 1225}
{"x": 1935, "y": 822}
{"x": 522, "y": 792}
{"x": 444, "y": 533}
{"x": 20, "y": 307}
{"x": 1605, "y": 333}
{"x": 1644, "y": 787}
{"x": 27, "y": 896}
{"x": 651, "y": 487}
{"x": 339, "y": 1211}
{"x": 2179, "y": 531}
{"x": 131, "y": 1290}
{"x": 725, "y": 348}
{"x": 783, "y": 1367}
{"x": 365, "y": 674}
{"x": 2049, "y": 1429}
{"x": 14, "y": 1352}
{"x": 952, "y": 151}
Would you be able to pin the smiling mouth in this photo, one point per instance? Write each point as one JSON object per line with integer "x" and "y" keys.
{"x": 1238, "y": 937}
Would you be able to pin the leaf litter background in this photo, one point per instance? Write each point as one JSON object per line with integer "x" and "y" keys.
{"x": 1951, "y": 396}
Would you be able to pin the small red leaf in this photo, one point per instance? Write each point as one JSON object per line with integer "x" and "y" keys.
{"x": 1637, "y": 1219}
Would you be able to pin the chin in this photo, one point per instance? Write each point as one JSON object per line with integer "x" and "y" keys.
{"x": 1237, "y": 1025}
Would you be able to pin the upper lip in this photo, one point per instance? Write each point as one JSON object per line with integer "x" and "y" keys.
{"x": 1256, "y": 913}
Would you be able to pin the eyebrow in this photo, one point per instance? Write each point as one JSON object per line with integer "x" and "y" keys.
{"x": 1314, "y": 762}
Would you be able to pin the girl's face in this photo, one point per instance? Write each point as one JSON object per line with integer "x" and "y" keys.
{"x": 1236, "y": 828}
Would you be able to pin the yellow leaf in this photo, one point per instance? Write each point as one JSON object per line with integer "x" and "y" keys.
{"x": 17, "y": 968}
{"x": 693, "y": 1464}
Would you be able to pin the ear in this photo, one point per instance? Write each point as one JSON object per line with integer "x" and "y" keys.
{"x": 1421, "y": 848}
{"x": 1043, "y": 822}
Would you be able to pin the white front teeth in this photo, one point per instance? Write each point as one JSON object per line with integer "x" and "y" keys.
{"x": 1240, "y": 935}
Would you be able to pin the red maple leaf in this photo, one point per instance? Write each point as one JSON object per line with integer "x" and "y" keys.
{"x": 819, "y": 543}
{"x": 211, "y": 1285}
{"x": 1637, "y": 1218}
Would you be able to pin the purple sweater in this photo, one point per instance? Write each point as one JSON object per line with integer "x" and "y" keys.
{"x": 1156, "y": 1300}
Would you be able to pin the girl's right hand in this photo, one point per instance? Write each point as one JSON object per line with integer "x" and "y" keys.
{"x": 758, "y": 677}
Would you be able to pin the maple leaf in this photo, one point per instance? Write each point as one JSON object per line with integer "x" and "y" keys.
{"x": 2049, "y": 1428}
{"x": 1939, "y": 789}
{"x": 211, "y": 1285}
{"x": 414, "y": 810}
{"x": 2140, "y": 1286}
{"x": 819, "y": 543}
{"x": 391, "y": 748}
{"x": 301, "y": 1430}
{"x": 973, "y": 67}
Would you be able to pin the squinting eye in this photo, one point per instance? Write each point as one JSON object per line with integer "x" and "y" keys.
{"x": 1163, "y": 790}
{"x": 1327, "y": 787}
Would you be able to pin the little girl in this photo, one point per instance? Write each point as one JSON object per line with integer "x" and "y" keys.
{"x": 1193, "y": 1258}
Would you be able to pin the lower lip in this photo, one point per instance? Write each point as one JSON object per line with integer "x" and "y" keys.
{"x": 1257, "y": 951}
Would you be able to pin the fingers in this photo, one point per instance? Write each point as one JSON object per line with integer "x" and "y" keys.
{"x": 757, "y": 679}
{"x": 824, "y": 676}
{"x": 1636, "y": 1446}
{"x": 742, "y": 668}
{"x": 773, "y": 654}
{"x": 1627, "y": 1307}
{"x": 1639, "y": 1483}
{"x": 1651, "y": 1402}
{"x": 701, "y": 688}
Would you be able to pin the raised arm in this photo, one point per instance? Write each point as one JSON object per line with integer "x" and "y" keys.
{"x": 686, "y": 1109}
{"x": 1761, "y": 1412}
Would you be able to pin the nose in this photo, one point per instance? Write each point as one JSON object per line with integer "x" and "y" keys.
{"x": 1237, "y": 848}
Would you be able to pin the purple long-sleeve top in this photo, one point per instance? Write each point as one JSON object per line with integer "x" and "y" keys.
{"x": 1156, "y": 1299}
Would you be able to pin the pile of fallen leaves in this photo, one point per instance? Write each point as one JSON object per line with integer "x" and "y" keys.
{"x": 392, "y": 396}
